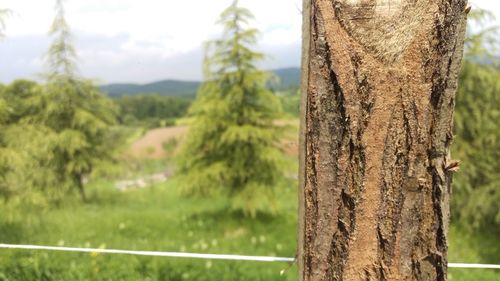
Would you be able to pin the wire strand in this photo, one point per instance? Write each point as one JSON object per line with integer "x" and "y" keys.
{"x": 151, "y": 253}
{"x": 198, "y": 256}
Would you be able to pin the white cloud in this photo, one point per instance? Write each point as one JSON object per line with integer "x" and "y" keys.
{"x": 491, "y": 5}
{"x": 178, "y": 26}
{"x": 117, "y": 39}
{"x": 128, "y": 31}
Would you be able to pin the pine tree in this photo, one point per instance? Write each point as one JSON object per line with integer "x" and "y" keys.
{"x": 61, "y": 57}
{"x": 75, "y": 110}
{"x": 232, "y": 145}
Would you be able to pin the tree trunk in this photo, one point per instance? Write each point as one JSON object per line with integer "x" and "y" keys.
{"x": 78, "y": 180}
{"x": 379, "y": 83}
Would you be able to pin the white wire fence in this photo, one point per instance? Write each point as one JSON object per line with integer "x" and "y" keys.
{"x": 198, "y": 255}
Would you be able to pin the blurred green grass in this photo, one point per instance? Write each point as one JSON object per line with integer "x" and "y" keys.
{"x": 158, "y": 219}
{"x": 465, "y": 247}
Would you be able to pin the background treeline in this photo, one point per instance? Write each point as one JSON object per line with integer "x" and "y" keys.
{"x": 151, "y": 110}
{"x": 157, "y": 104}
{"x": 155, "y": 110}
{"x": 160, "y": 108}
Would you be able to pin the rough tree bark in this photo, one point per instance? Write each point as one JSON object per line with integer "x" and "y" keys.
{"x": 379, "y": 83}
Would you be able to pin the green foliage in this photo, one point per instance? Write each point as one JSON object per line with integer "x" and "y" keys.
{"x": 171, "y": 88}
{"x": 158, "y": 219}
{"x": 22, "y": 145}
{"x": 155, "y": 219}
{"x": 476, "y": 196}
{"x": 477, "y": 145}
{"x": 290, "y": 98}
{"x": 75, "y": 111}
{"x": 170, "y": 145}
{"x": 232, "y": 144}
{"x": 23, "y": 99}
{"x": 81, "y": 118}
{"x": 28, "y": 174}
{"x": 5, "y": 154}
{"x": 151, "y": 110}
{"x": 52, "y": 136}
{"x": 61, "y": 56}
{"x": 476, "y": 247}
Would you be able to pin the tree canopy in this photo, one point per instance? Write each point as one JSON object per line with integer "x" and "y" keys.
{"x": 151, "y": 110}
{"x": 75, "y": 110}
{"x": 232, "y": 145}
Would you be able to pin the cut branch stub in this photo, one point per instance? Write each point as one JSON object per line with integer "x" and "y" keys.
{"x": 385, "y": 28}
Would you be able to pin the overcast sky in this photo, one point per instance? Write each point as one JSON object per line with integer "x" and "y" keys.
{"x": 146, "y": 40}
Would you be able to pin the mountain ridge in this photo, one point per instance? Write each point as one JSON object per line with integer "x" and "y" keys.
{"x": 288, "y": 77}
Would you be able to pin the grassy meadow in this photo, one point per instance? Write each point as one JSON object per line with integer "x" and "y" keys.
{"x": 158, "y": 218}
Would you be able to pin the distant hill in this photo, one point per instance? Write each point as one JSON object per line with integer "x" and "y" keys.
{"x": 164, "y": 88}
{"x": 289, "y": 77}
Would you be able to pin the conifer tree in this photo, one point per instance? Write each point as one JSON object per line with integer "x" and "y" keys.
{"x": 61, "y": 57}
{"x": 232, "y": 144}
{"x": 75, "y": 110}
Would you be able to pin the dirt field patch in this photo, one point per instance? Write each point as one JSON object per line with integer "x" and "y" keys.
{"x": 152, "y": 144}
{"x": 164, "y": 142}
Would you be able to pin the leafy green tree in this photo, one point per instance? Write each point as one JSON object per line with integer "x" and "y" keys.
{"x": 21, "y": 96}
{"x": 5, "y": 153}
{"x": 476, "y": 196}
{"x": 75, "y": 110}
{"x": 4, "y": 159}
{"x": 232, "y": 144}
{"x": 23, "y": 146}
